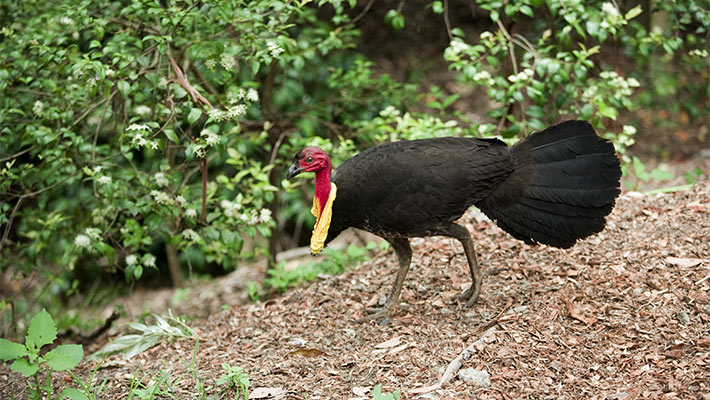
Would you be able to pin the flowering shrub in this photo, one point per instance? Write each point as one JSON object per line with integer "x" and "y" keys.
{"x": 138, "y": 134}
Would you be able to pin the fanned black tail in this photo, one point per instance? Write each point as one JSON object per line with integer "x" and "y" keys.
{"x": 565, "y": 183}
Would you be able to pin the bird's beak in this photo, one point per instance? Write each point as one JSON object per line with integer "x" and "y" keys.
{"x": 293, "y": 170}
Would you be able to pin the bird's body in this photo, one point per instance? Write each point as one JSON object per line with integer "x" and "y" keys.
{"x": 554, "y": 187}
{"x": 410, "y": 188}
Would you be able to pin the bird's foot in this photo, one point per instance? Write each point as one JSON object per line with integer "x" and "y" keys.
{"x": 377, "y": 314}
{"x": 470, "y": 295}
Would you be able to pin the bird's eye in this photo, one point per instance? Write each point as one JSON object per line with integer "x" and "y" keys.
{"x": 309, "y": 160}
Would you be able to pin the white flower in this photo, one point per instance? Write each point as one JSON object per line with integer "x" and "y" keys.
{"x": 161, "y": 197}
{"x": 458, "y": 46}
{"x": 609, "y": 8}
{"x": 274, "y": 48}
{"x": 38, "y": 108}
{"x": 149, "y": 260}
{"x": 181, "y": 200}
{"x": 104, "y": 180}
{"x": 629, "y": 130}
{"x": 389, "y": 111}
{"x": 210, "y": 63}
{"x": 110, "y": 72}
{"x": 139, "y": 139}
{"x": 210, "y": 138}
{"x": 217, "y": 115}
{"x": 252, "y": 95}
{"x": 226, "y": 61}
{"x": 265, "y": 215}
{"x": 143, "y": 110}
{"x": 161, "y": 180}
{"x": 131, "y": 259}
{"x": 137, "y": 127}
{"x": 230, "y": 208}
{"x": 82, "y": 241}
{"x": 189, "y": 234}
{"x": 482, "y": 76}
{"x": 191, "y": 213}
{"x": 154, "y": 145}
{"x": 91, "y": 82}
{"x": 66, "y": 21}
{"x": 236, "y": 111}
{"x": 486, "y": 35}
{"x": 93, "y": 233}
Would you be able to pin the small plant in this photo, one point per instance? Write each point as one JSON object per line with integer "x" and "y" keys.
{"x": 378, "y": 395}
{"x": 235, "y": 378}
{"x": 334, "y": 263}
{"x": 643, "y": 175}
{"x": 253, "y": 291}
{"x": 28, "y": 361}
{"x": 134, "y": 344}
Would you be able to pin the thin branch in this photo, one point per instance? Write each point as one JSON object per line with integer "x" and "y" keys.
{"x": 363, "y": 12}
{"x": 19, "y": 153}
{"x": 511, "y": 49}
{"x": 9, "y": 222}
{"x": 447, "y": 21}
{"x": 181, "y": 79}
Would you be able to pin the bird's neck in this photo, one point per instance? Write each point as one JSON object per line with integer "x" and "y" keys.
{"x": 323, "y": 184}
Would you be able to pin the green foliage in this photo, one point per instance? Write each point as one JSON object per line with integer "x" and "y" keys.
{"x": 148, "y": 336}
{"x": 27, "y": 360}
{"x": 549, "y": 72}
{"x": 334, "y": 262}
{"x": 115, "y": 109}
{"x": 235, "y": 379}
{"x": 378, "y": 395}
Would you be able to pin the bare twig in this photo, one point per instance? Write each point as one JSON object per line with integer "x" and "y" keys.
{"x": 181, "y": 79}
{"x": 9, "y": 221}
{"x": 447, "y": 22}
{"x": 19, "y": 153}
{"x": 363, "y": 12}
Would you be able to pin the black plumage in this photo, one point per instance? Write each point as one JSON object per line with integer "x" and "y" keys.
{"x": 554, "y": 187}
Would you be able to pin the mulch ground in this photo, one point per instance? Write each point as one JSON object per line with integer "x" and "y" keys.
{"x": 622, "y": 315}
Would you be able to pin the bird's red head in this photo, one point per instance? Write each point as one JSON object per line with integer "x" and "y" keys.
{"x": 310, "y": 159}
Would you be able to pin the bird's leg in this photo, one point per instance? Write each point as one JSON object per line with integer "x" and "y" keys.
{"x": 404, "y": 254}
{"x": 462, "y": 235}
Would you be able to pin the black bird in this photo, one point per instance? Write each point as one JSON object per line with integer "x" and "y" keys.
{"x": 554, "y": 187}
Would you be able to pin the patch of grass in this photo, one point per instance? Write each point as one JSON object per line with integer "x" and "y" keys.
{"x": 234, "y": 379}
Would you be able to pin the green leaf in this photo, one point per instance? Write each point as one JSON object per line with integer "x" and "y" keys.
{"x": 527, "y": 10}
{"x": 64, "y": 357}
{"x": 124, "y": 87}
{"x": 194, "y": 115}
{"x": 634, "y": 12}
{"x": 586, "y": 112}
{"x": 42, "y": 331}
{"x": 661, "y": 175}
{"x": 437, "y": 7}
{"x": 24, "y": 367}
{"x": 73, "y": 394}
{"x": 171, "y": 135}
{"x": 11, "y": 350}
{"x": 640, "y": 170}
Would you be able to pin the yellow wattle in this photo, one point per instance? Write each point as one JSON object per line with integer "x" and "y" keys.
{"x": 320, "y": 231}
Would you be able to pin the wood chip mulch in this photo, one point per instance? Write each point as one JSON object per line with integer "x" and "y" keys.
{"x": 622, "y": 315}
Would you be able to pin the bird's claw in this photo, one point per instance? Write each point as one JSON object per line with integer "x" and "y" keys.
{"x": 470, "y": 296}
{"x": 381, "y": 314}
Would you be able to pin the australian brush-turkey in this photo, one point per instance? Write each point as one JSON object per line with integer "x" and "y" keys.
{"x": 554, "y": 187}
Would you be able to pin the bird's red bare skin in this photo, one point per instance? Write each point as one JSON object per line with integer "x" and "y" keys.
{"x": 315, "y": 160}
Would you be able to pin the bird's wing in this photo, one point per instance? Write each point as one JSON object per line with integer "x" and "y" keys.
{"x": 412, "y": 186}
